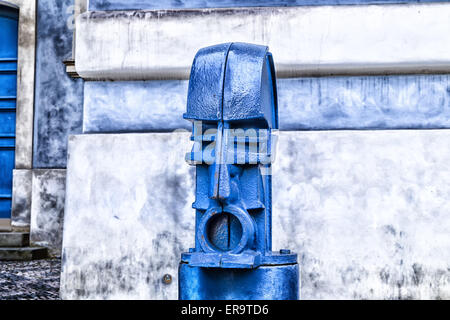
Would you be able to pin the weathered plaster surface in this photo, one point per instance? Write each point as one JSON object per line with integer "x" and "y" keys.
{"x": 21, "y": 202}
{"x": 143, "y": 45}
{"x": 170, "y": 4}
{"x": 47, "y": 210}
{"x": 380, "y": 102}
{"x": 363, "y": 102}
{"x": 365, "y": 210}
{"x": 25, "y": 82}
{"x": 128, "y": 215}
{"x": 58, "y": 97}
{"x": 134, "y": 106}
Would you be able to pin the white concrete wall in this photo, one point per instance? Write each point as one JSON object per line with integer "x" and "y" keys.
{"x": 21, "y": 201}
{"x": 47, "y": 209}
{"x": 367, "y": 212}
{"x": 127, "y": 216}
{"x": 316, "y": 40}
{"x": 318, "y": 103}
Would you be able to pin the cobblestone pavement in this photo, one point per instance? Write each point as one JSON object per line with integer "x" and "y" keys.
{"x": 31, "y": 280}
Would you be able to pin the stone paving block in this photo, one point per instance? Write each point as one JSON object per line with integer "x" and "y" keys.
{"x": 13, "y": 239}
{"x": 22, "y": 254}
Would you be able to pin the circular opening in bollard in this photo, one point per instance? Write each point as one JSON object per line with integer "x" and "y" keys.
{"x": 230, "y": 230}
{"x": 224, "y": 232}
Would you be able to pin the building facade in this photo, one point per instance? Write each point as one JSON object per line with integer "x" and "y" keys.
{"x": 98, "y": 173}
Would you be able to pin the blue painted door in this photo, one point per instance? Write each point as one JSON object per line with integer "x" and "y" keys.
{"x": 8, "y": 77}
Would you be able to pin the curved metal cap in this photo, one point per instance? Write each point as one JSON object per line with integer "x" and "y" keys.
{"x": 233, "y": 82}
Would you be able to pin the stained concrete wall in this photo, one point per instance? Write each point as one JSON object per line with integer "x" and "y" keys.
{"x": 54, "y": 100}
{"x": 39, "y": 191}
{"x": 47, "y": 209}
{"x": 364, "y": 102}
{"x": 59, "y": 98}
{"x": 134, "y": 231}
{"x": 181, "y": 4}
{"x": 320, "y": 40}
{"x": 38, "y": 197}
{"x": 365, "y": 210}
{"x": 21, "y": 202}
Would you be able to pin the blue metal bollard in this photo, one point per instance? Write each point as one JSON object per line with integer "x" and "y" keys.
{"x": 232, "y": 102}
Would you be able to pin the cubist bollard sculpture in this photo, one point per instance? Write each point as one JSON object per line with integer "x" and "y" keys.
{"x": 232, "y": 102}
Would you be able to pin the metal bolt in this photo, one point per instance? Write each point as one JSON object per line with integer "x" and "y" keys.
{"x": 167, "y": 279}
{"x": 285, "y": 251}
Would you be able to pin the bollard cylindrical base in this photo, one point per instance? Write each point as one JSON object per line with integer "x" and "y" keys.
{"x": 279, "y": 282}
